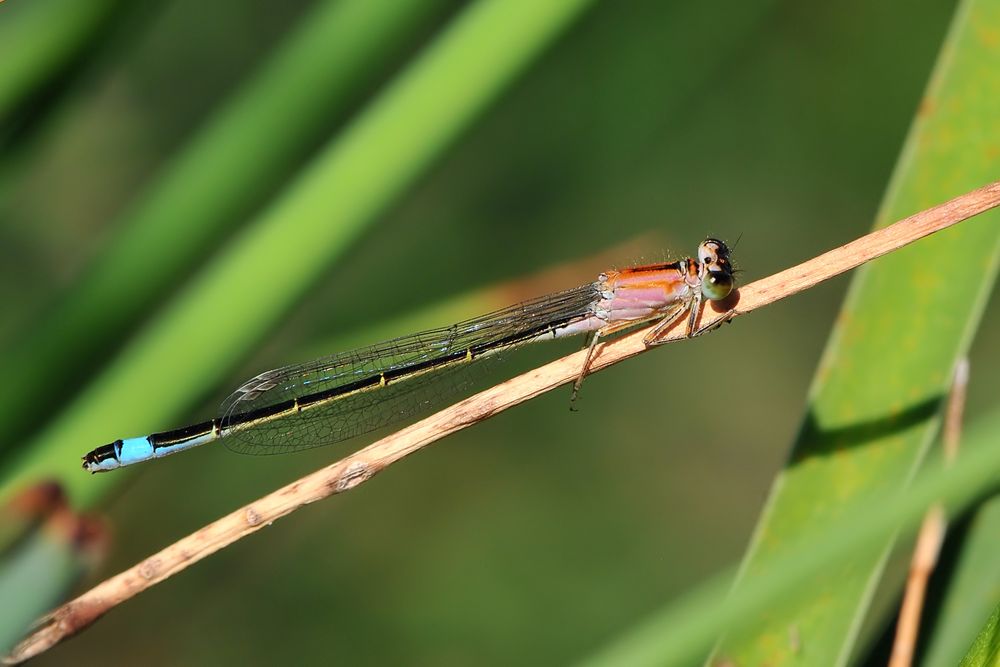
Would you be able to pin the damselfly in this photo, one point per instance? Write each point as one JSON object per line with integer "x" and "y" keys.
{"x": 344, "y": 395}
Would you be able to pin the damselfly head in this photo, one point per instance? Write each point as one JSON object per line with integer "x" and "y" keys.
{"x": 716, "y": 270}
{"x": 713, "y": 250}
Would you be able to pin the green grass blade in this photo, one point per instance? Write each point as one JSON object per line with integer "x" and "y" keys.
{"x": 52, "y": 550}
{"x": 683, "y": 632}
{"x": 985, "y": 651}
{"x": 242, "y": 295}
{"x": 874, "y": 403}
{"x": 973, "y": 588}
{"x": 38, "y": 574}
{"x": 39, "y": 38}
{"x": 245, "y": 150}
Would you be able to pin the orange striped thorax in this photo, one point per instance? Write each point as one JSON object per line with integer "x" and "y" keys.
{"x": 644, "y": 292}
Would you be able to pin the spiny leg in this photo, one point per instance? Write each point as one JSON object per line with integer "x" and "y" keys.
{"x": 654, "y": 337}
{"x": 696, "y": 308}
{"x": 603, "y": 332}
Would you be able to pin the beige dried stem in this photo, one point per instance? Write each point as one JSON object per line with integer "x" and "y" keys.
{"x": 361, "y": 466}
{"x": 932, "y": 532}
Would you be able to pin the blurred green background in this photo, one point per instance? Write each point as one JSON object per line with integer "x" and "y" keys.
{"x": 542, "y": 534}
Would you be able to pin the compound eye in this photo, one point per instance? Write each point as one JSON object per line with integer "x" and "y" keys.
{"x": 717, "y": 285}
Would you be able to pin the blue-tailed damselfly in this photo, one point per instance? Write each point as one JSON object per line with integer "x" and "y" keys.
{"x": 344, "y": 395}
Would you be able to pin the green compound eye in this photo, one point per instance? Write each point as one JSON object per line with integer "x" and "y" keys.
{"x": 717, "y": 285}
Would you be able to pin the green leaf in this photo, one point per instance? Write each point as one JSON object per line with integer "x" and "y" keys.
{"x": 684, "y": 631}
{"x": 50, "y": 552}
{"x": 231, "y": 305}
{"x": 41, "y": 37}
{"x": 244, "y": 150}
{"x": 985, "y": 651}
{"x": 873, "y": 407}
{"x": 38, "y": 574}
{"x": 973, "y": 588}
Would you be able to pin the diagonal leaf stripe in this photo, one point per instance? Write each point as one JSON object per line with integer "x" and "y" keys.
{"x": 907, "y": 319}
{"x": 353, "y": 179}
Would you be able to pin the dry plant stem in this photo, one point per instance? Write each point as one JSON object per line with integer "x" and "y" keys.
{"x": 952, "y": 433}
{"x": 932, "y": 531}
{"x": 362, "y": 465}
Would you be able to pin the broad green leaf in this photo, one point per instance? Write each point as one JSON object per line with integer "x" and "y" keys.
{"x": 873, "y": 407}
{"x": 683, "y": 632}
{"x": 973, "y": 588}
{"x": 985, "y": 651}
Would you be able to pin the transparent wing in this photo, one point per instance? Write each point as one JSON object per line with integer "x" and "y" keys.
{"x": 356, "y": 392}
